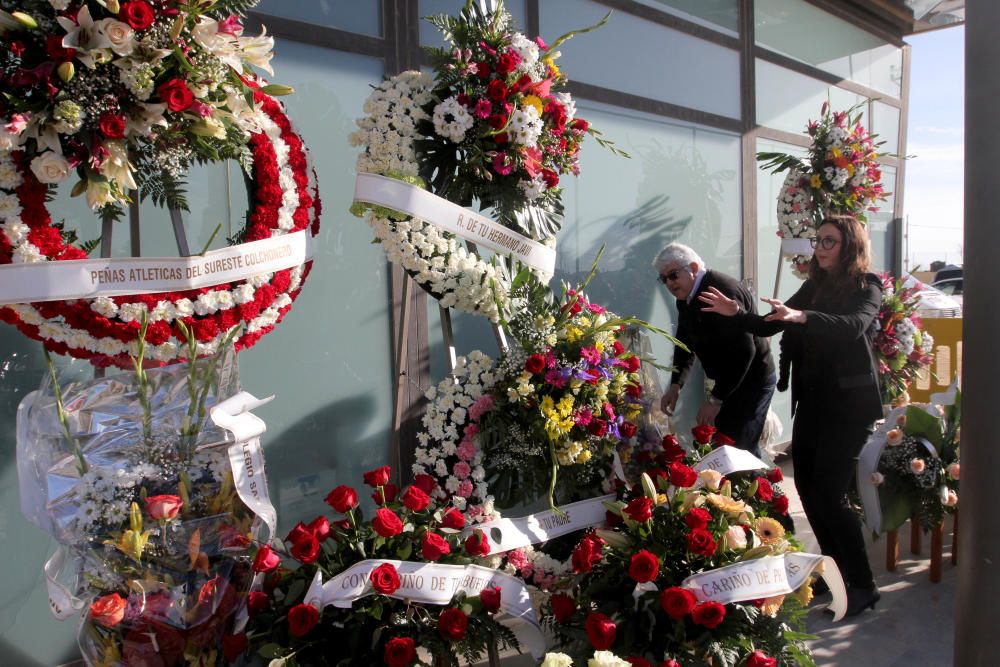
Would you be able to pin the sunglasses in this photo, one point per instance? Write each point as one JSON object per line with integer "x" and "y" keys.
{"x": 670, "y": 277}
{"x": 826, "y": 243}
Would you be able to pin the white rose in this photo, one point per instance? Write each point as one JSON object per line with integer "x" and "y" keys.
{"x": 607, "y": 659}
{"x": 120, "y": 34}
{"x": 557, "y": 660}
{"x": 736, "y": 538}
{"x": 50, "y": 167}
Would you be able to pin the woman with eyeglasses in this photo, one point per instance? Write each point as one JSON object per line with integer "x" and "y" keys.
{"x": 829, "y": 326}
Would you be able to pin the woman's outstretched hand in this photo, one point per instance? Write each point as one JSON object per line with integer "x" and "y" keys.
{"x": 718, "y": 303}
{"x": 782, "y": 313}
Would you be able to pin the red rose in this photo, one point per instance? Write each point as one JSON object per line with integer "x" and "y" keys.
{"x": 498, "y": 121}
{"x": 301, "y": 619}
{"x": 453, "y": 519}
{"x": 257, "y": 601}
{"x": 764, "y": 490}
{"x": 55, "y": 49}
{"x": 588, "y": 553}
{"x": 384, "y": 495}
{"x": 640, "y": 509}
{"x": 701, "y": 542}
{"x": 477, "y": 544}
{"x": 670, "y": 663}
{"x": 672, "y": 450}
{"x": 534, "y": 364}
{"x": 385, "y": 579}
{"x": 708, "y": 614}
{"x": 781, "y": 504}
{"x": 677, "y": 602}
{"x": 497, "y": 91}
{"x": 386, "y": 523}
{"x": 434, "y": 546}
{"x": 760, "y": 659}
{"x": 399, "y": 652}
{"x": 112, "y": 125}
{"x": 508, "y": 62}
{"x": 108, "y": 610}
{"x": 722, "y": 439}
{"x": 452, "y": 624}
{"x": 233, "y": 646}
{"x": 319, "y": 527}
{"x": 176, "y": 94}
{"x": 416, "y": 500}
{"x": 636, "y": 661}
{"x": 266, "y": 559}
{"x": 774, "y": 475}
{"x": 306, "y": 549}
{"x": 600, "y": 631}
{"x": 627, "y": 429}
{"x": 563, "y": 607}
{"x": 483, "y": 70}
{"x": 697, "y": 517}
{"x": 632, "y": 364}
{"x": 342, "y": 499}
{"x": 682, "y": 476}
{"x": 490, "y": 597}
{"x": 644, "y": 566}
{"x": 425, "y": 483}
{"x": 163, "y": 508}
{"x": 703, "y": 433}
{"x": 580, "y": 124}
{"x": 137, "y": 13}
{"x": 377, "y": 477}
{"x": 597, "y": 427}
{"x": 296, "y": 533}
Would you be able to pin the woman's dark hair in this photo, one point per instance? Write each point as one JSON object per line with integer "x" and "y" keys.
{"x": 855, "y": 258}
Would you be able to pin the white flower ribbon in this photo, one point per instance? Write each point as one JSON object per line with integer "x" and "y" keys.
{"x": 117, "y": 276}
{"x": 246, "y": 455}
{"x": 508, "y": 534}
{"x": 419, "y": 203}
{"x": 432, "y": 583}
{"x": 728, "y": 459}
{"x": 767, "y": 577}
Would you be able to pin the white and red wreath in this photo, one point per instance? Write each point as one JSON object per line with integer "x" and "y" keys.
{"x": 104, "y": 330}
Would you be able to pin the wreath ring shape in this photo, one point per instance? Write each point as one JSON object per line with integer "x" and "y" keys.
{"x": 795, "y": 222}
{"x": 105, "y": 330}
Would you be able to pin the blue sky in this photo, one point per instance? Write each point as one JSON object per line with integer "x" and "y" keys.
{"x": 933, "y": 202}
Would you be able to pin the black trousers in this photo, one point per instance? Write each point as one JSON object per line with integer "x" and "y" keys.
{"x": 824, "y": 458}
{"x": 744, "y": 412}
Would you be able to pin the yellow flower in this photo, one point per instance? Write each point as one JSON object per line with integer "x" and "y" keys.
{"x": 835, "y": 152}
{"x": 550, "y": 61}
{"x": 565, "y": 406}
{"x": 547, "y": 405}
{"x": 814, "y": 181}
{"x": 573, "y": 334}
{"x": 769, "y": 530}
{"x": 584, "y": 456}
{"x": 850, "y": 171}
{"x": 772, "y": 605}
{"x": 727, "y": 504}
{"x": 533, "y": 101}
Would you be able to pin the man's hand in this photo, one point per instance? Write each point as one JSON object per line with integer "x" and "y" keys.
{"x": 708, "y": 412}
{"x": 668, "y": 402}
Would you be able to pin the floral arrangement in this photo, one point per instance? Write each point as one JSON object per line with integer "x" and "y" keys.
{"x": 841, "y": 175}
{"x": 902, "y": 348}
{"x": 627, "y": 603}
{"x": 919, "y": 469}
{"x": 376, "y": 628}
{"x": 493, "y": 126}
{"x": 200, "y": 77}
{"x": 129, "y": 476}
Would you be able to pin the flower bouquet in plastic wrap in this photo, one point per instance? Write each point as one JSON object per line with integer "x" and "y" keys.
{"x": 903, "y": 350}
{"x": 146, "y": 496}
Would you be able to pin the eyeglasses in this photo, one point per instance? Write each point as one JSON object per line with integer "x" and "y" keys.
{"x": 670, "y": 277}
{"x": 826, "y": 243}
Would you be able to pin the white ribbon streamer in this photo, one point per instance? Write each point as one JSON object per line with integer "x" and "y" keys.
{"x": 62, "y": 602}
{"x": 117, "y": 276}
{"x": 429, "y": 583}
{"x": 728, "y": 459}
{"x": 246, "y": 455}
{"x": 767, "y": 577}
{"x": 508, "y": 534}
{"x": 458, "y": 220}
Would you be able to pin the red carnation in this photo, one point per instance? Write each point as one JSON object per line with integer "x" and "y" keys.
{"x": 415, "y": 500}
{"x": 760, "y": 659}
{"x": 580, "y": 124}
{"x": 508, "y": 62}
{"x": 701, "y": 542}
{"x": 600, "y": 630}
{"x": 342, "y": 499}
{"x": 644, "y": 566}
{"x": 378, "y": 476}
{"x": 490, "y": 597}
{"x": 697, "y": 517}
{"x": 640, "y": 509}
{"x": 385, "y": 579}
{"x": 386, "y": 523}
{"x": 550, "y": 177}
{"x": 703, "y": 433}
{"x": 452, "y": 624}
{"x": 563, "y": 607}
{"x": 477, "y": 544}
{"x": 453, "y": 519}
{"x": 301, "y": 619}
{"x": 178, "y": 97}
{"x": 708, "y": 614}
{"x": 534, "y": 364}
{"x": 677, "y": 602}
{"x": 764, "y": 490}
{"x": 399, "y": 652}
{"x": 137, "y": 13}
{"x": 682, "y": 476}
{"x": 434, "y": 546}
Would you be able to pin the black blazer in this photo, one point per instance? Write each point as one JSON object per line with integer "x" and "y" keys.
{"x": 833, "y": 366}
{"x": 728, "y": 353}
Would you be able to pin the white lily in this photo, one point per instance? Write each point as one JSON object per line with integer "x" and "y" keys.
{"x": 84, "y": 36}
{"x": 258, "y": 51}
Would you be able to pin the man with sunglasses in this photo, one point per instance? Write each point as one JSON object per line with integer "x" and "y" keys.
{"x": 739, "y": 363}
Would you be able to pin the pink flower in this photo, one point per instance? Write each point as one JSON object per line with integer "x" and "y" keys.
{"x": 555, "y": 379}
{"x": 503, "y": 164}
{"x": 583, "y": 417}
{"x": 203, "y": 110}
{"x": 462, "y": 470}
{"x": 231, "y": 26}
{"x": 917, "y": 466}
{"x": 954, "y": 470}
{"x": 532, "y": 161}
{"x": 470, "y": 431}
{"x": 483, "y": 109}
{"x": 590, "y": 355}
{"x": 17, "y": 124}
{"x": 597, "y": 310}
{"x": 466, "y": 451}
{"x": 464, "y": 489}
{"x": 163, "y": 508}
{"x": 517, "y": 558}
{"x": 482, "y": 405}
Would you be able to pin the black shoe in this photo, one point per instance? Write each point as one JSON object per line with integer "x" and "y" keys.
{"x": 859, "y": 599}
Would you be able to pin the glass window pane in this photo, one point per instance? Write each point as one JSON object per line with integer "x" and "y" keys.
{"x": 805, "y": 32}
{"x": 363, "y": 16}
{"x": 713, "y": 14}
{"x": 787, "y": 100}
{"x": 431, "y": 36}
{"x": 881, "y": 227}
{"x": 643, "y": 58}
{"x": 885, "y": 123}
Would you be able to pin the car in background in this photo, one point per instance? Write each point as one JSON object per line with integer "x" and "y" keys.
{"x": 950, "y": 286}
{"x": 934, "y": 302}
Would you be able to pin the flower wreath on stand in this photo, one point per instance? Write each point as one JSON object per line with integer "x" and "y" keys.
{"x": 103, "y": 91}
{"x": 902, "y": 348}
{"x": 493, "y": 127}
{"x": 841, "y": 175}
